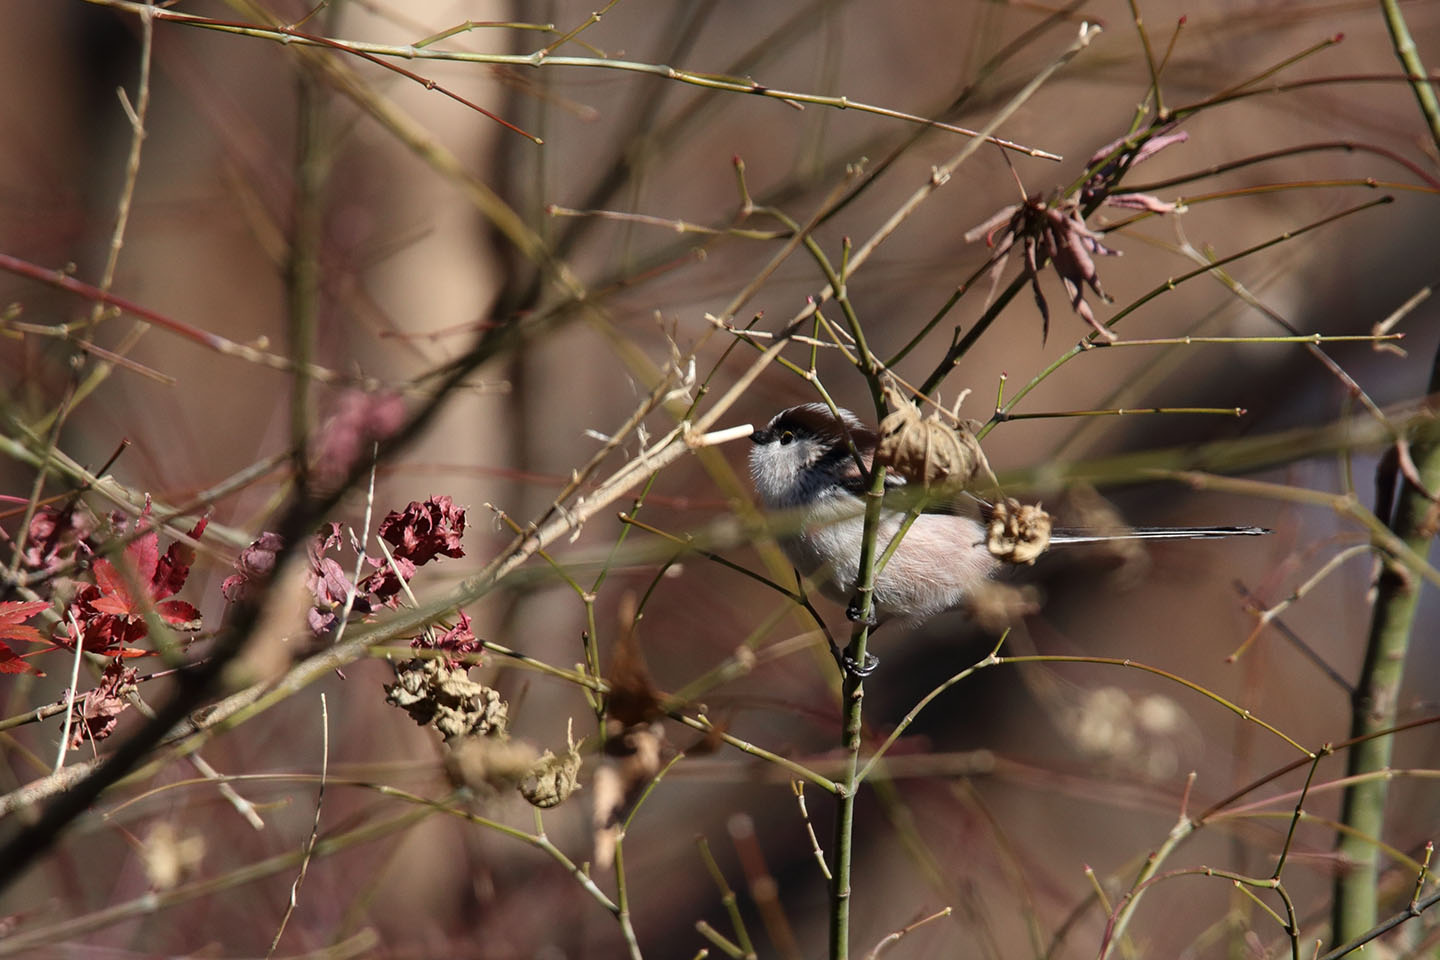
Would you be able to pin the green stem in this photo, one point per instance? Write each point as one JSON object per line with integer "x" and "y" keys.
{"x": 1374, "y": 702}
{"x": 852, "y": 698}
{"x": 1414, "y": 70}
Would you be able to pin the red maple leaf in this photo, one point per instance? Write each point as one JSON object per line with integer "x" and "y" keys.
{"x": 13, "y": 614}
{"x": 111, "y": 617}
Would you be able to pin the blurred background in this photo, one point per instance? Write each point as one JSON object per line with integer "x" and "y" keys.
{"x": 1011, "y": 783}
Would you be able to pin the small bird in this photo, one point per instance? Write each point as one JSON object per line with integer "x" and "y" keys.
{"x": 802, "y": 462}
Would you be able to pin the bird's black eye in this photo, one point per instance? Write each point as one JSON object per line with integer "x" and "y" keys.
{"x": 785, "y": 437}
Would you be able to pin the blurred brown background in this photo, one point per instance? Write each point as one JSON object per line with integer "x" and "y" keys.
{"x": 1084, "y": 764}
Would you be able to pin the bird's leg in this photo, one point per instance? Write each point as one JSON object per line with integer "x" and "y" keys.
{"x": 847, "y": 665}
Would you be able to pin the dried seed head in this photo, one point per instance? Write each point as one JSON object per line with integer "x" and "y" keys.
{"x": 927, "y": 450}
{"x": 435, "y": 695}
{"x": 1018, "y": 533}
{"x": 551, "y": 779}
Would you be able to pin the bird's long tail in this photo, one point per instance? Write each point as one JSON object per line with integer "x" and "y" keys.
{"x": 1063, "y": 535}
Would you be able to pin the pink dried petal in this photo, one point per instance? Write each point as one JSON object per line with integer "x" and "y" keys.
{"x": 426, "y": 529}
{"x": 95, "y": 715}
{"x": 996, "y": 219}
{"x": 1140, "y": 201}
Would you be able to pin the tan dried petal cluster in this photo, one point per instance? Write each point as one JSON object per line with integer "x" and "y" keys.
{"x": 551, "y": 779}
{"x": 437, "y": 695}
{"x": 1018, "y": 533}
{"x": 928, "y": 450}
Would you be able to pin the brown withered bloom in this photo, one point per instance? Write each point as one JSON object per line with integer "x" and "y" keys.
{"x": 552, "y": 779}
{"x": 927, "y": 450}
{"x": 95, "y": 714}
{"x": 438, "y": 696}
{"x": 1017, "y": 533}
{"x": 1053, "y": 231}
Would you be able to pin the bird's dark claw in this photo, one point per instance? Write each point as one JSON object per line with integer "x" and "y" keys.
{"x": 852, "y": 612}
{"x": 860, "y": 670}
{"x": 852, "y": 669}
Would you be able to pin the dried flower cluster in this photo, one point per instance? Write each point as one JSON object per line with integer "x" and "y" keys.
{"x": 96, "y": 712}
{"x": 551, "y": 779}
{"x": 1053, "y": 231}
{"x": 425, "y": 530}
{"x": 1017, "y": 533}
{"x": 421, "y": 532}
{"x": 444, "y": 697}
{"x": 927, "y": 450}
{"x": 474, "y": 721}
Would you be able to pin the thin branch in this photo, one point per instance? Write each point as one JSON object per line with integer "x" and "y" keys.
{"x": 314, "y": 828}
{"x": 374, "y": 52}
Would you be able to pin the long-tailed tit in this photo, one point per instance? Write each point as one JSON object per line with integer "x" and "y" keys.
{"x": 804, "y": 462}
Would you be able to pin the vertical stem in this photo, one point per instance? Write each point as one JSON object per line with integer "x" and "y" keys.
{"x": 852, "y": 697}
{"x": 303, "y": 280}
{"x": 1414, "y": 69}
{"x": 1374, "y": 702}
{"x": 622, "y": 901}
